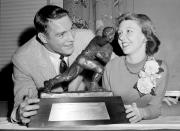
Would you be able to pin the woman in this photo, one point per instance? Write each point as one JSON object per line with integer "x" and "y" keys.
{"x": 138, "y": 77}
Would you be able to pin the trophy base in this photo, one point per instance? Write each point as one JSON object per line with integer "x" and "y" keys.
{"x": 77, "y": 94}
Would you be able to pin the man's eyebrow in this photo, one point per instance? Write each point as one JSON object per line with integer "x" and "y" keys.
{"x": 60, "y": 33}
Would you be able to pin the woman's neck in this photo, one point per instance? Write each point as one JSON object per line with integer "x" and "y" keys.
{"x": 135, "y": 58}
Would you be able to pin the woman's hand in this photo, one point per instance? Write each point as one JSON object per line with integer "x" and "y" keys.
{"x": 134, "y": 114}
{"x": 170, "y": 100}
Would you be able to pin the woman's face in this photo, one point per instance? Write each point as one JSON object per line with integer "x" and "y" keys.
{"x": 131, "y": 39}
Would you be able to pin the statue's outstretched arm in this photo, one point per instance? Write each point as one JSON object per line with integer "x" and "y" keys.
{"x": 104, "y": 54}
{"x": 69, "y": 75}
{"x": 90, "y": 64}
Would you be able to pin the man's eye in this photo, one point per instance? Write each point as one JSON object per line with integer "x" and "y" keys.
{"x": 60, "y": 35}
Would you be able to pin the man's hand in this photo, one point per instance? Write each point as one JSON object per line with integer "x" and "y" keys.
{"x": 134, "y": 114}
{"x": 26, "y": 109}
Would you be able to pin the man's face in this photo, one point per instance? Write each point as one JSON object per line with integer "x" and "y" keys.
{"x": 59, "y": 36}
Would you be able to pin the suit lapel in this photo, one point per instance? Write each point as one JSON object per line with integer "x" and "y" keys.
{"x": 45, "y": 65}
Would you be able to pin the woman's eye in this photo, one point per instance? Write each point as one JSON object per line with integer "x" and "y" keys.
{"x": 119, "y": 34}
{"x": 129, "y": 31}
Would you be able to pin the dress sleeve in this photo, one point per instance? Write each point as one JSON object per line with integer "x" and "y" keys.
{"x": 153, "y": 109}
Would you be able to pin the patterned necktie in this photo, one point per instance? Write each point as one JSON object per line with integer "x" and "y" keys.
{"x": 63, "y": 66}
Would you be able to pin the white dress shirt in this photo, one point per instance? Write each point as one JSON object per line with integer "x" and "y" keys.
{"x": 55, "y": 59}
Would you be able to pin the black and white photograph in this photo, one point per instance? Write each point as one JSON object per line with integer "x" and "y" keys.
{"x": 90, "y": 65}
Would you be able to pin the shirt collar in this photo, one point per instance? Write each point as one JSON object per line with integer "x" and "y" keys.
{"x": 56, "y": 56}
{"x": 53, "y": 55}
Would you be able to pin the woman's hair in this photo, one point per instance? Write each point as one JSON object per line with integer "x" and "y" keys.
{"x": 153, "y": 42}
{"x": 46, "y": 13}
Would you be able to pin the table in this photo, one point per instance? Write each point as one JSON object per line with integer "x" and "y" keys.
{"x": 161, "y": 123}
{"x": 170, "y": 119}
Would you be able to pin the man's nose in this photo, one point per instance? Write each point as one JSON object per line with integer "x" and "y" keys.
{"x": 70, "y": 36}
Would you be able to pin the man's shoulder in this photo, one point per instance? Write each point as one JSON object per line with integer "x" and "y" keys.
{"x": 27, "y": 49}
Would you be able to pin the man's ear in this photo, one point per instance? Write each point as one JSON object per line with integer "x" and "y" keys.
{"x": 42, "y": 37}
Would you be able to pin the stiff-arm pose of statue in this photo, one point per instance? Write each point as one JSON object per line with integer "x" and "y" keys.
{"x": 100, "y": 49}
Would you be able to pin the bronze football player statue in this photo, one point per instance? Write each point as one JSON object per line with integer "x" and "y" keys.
{"x": 99, "y": 49}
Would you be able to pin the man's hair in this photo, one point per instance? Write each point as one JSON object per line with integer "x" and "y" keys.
{"x": 47, "y": 12}
{"x": 153, "y": 42}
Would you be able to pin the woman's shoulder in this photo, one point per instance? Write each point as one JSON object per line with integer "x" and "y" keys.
{"x": 163, "y": 66}
{"x": 162, "y": 63}
{"x": 116, "y": 61}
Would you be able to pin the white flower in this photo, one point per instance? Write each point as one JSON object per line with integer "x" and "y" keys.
{"x": 151, "y": 67}
{"x": 157, "y": 76}
{"x": 143, "y": 74}
{"x": 148, "y": 76}
{"x": 145, "y": 85}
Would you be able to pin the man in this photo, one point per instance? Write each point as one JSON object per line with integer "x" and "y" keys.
{"x": 38, "y": 60}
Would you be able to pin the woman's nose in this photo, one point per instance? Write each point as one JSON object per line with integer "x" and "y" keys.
{"x": 121, "y": 37}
